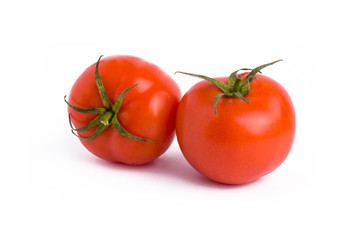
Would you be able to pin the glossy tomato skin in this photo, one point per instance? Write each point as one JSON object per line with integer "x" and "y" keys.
{"x": 148, "y": 110}
{"x": 245, "y": 141}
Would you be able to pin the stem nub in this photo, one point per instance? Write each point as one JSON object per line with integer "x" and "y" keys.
{"x": 237, "y": 86}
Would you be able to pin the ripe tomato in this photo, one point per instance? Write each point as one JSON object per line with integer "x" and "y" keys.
{"x": 123, "y": 109}
{"x": 247, "y": 137}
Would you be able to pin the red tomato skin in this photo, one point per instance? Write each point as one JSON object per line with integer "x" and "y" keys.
{"x": 245, "y": 141}
{"x": 148, "y": 110}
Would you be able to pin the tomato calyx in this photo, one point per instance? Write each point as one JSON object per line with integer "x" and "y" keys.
{"x": 107, "y": 115}
{"x": 237, "y": 85}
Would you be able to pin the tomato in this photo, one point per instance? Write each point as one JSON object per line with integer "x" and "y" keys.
{"x": 246, "y": 136}
{"x": 123, "y": 109}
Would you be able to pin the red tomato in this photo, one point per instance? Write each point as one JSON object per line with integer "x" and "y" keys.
{"x": 136, "y": 124}
{"x": 245, "y": 141}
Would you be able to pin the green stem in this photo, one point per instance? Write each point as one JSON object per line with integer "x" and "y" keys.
{"x": 236, "y": 87}
{"x": 107, "y": 115}
{"x": 105, "y": 119}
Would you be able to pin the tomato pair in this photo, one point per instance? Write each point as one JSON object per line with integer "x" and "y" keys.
{"x": 232, "y": 130}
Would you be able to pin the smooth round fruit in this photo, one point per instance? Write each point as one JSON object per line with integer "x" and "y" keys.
{"x": 147, "y": 110}
{"x": 246, "y": 140}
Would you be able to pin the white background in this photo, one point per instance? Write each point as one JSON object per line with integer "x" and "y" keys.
{"x": 52, "y": 188}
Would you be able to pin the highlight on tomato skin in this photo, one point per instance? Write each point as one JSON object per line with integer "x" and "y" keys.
{"x": 233, "y": 141}
{"x": 123, "y": 109}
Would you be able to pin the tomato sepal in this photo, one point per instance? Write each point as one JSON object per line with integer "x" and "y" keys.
{"x": 216, "y": 99}
{"x": 108, "y": 114}
{"x": 93, "y": 123}
{"x": 236, "y": 86}
{"x": 96, "y": 110}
